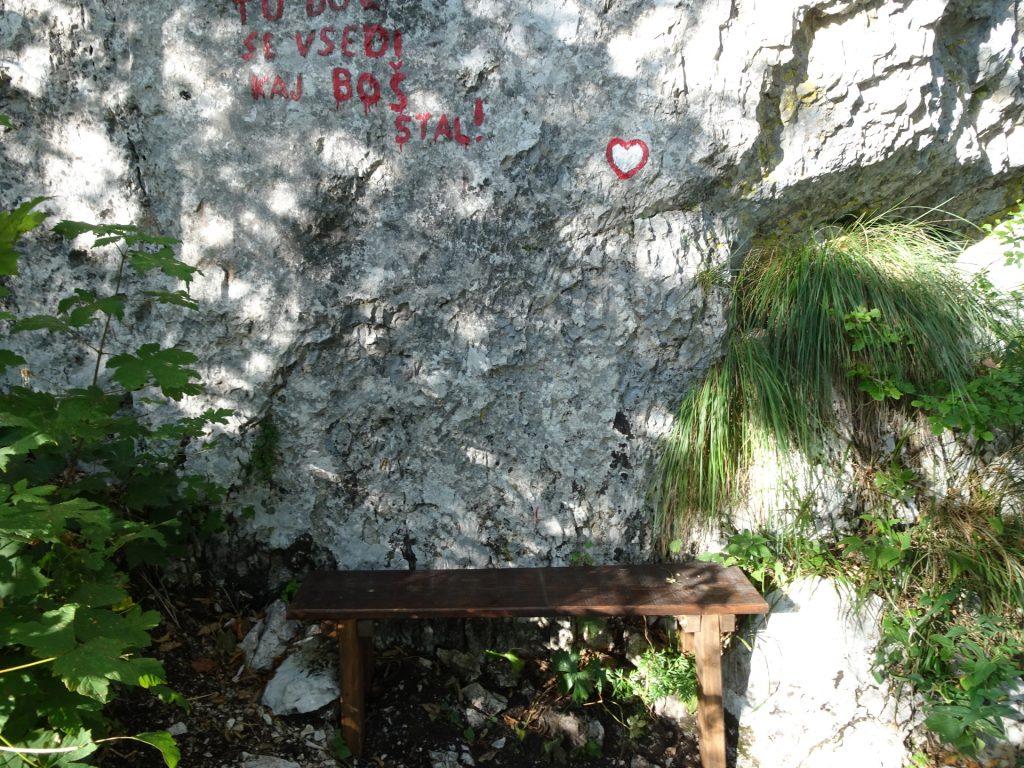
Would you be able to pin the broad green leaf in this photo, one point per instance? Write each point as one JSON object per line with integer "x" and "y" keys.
{"x": 164, "y": 742}
{"x": 9, "y": 359}
{"x": 142, "y": 671}
{"x": 52, "y": 635}
{"x": 5, "y": 121}
{"x": 178, "y": 298}
{"x": 169, "y": 696}
{"x": 13, "y": 224}
{"x": 131, "y": 628}
{"x": 48, "y": 522}
{"x": 99, "y": 595}
{"x": 40, "y": 323}
{"x": 138, "y": 237}
{"x": 89, "y": 668}
{"x": 19, "y": 577}
{"x": 22, "y": 446}
{"x": 84, "y": 305}
{"x": 78, "y": 743}
{"x": 73, "y": 229}
{"x": 164, "y": 260}
{"x": 163, "y": 367}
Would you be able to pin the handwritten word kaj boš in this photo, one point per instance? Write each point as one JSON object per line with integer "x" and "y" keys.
{"x": 351, "y": 48}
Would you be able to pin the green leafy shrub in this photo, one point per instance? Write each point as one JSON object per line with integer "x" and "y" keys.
{"x": 91, "y": 486}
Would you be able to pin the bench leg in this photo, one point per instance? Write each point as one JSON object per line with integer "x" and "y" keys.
{"x": 710, "y": 714}
{"x": 353, "y": 685}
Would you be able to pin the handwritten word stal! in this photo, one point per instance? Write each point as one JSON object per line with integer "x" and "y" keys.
{"x": 351, "y": 50}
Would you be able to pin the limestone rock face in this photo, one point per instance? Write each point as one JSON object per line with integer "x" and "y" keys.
{"x": 464, "y": 253}
{"x": 804, "y": 694}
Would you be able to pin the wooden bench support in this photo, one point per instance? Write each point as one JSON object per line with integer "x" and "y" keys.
{"x": 704, "y": 597}
{"x": 710, "y": 713}
{"x": 353, "y": 673}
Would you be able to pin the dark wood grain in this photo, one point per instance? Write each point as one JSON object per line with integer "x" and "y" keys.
{"x": 614, "y": 590}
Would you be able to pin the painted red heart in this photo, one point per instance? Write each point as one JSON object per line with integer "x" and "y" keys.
{"x": 624, "y": 158}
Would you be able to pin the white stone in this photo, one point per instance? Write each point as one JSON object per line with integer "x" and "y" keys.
{"x": 178, "y": 729}
{"x": 268, "y": 762}
{"x": 483, "y": 704}
{"x": 304, "y": 682}
{"x": 805, "y": 695}
{"x": 269, "y": 638}
{"x": 439, "y": 759}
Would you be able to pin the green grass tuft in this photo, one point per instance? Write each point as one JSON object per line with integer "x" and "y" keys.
{"x": 863, "y": 315}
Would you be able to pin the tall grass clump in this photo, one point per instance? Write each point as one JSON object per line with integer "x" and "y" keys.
{"x": 862, "y": 315}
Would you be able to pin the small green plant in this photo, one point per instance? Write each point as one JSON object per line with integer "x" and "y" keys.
{"x": 266, "y": 451}
{"x": 1009, "y": 231}
{"x": 339, "y": 747}
{"x": 581, "y": 556}
{"x": 289, "y": 589}
{"x": 754, "y": 554}
{"x": 712, "y": 277}
{"x": 513, "y": 659}
{"x": 591, "y": 750}
{"x": 580, "y": 678}
{"x": 658, "y": 673}
{"x": 554, "y": 750}
{"x": 636, "y": 725}
{"x": 775, "y": 555}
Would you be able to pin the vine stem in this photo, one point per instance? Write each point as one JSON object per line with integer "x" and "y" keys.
{"x": 27, "y": 666}
{"x": 10, "y": 748}
{"x": 42, "y": 750}
{"x": 106, "y": 323}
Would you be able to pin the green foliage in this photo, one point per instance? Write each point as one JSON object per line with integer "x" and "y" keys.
{"x": 776, "y": 554}
{"x": 992, "y": 400}
{"x": 90, "y": 486}
{"x": 266, "y": 451}
{"x": 753, "y": 552}
{"x": 339, "y": 747}
{"x": 961, "y": 668}
{"x": 863, "y": 315}
{"x": 953, "y": 587}
{"x": 1010, "y": 233}
{"x": 14, "y": 224}
{"x": 722, "y": 425}
{"x": 513, "y": 659}
{"x": 576, "y": 676}
{"x": 658, "y": 673}
{"x": 581, "y": 556}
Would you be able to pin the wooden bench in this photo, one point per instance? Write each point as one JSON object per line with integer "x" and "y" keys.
{"x": 704, "y": 597}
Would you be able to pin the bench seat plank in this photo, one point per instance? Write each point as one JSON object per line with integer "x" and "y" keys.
{"x": 667, "y": 589}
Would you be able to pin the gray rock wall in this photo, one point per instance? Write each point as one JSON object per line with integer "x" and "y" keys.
{"x": 459, "y": 250}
